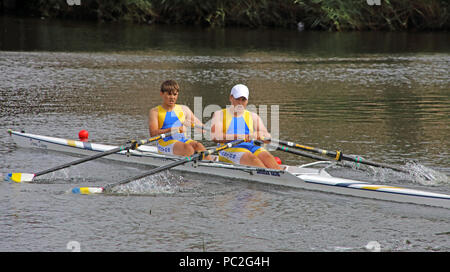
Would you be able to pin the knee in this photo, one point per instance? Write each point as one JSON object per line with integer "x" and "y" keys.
{"x": 189, "y": 149}
{"x": 250, "y": 158}
{"x": 197, "y": 146}
{"x": 264, "y": 155}
{"x": 185, "y": 150}
{"x": 268, "y": 160}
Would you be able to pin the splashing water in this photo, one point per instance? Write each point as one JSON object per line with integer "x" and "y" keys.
{"x": 416, "y": 174}
{"x": 161, "y": 183}
{"x": 427, "y": 176}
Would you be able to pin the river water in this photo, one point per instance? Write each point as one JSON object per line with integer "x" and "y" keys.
{"x": 385, "y": 96}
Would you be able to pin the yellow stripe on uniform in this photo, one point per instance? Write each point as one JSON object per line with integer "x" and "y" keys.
{"x": 178, "y": 110}
{"x": 227, "y": 118}
{"x": 248, "y": 120}
{"x": 166, "y": 143}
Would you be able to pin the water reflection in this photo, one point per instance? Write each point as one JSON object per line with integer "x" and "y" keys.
{"x": 55, "y": 35}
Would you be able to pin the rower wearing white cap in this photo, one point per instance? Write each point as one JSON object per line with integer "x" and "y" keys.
{"x": 235, "y": 122}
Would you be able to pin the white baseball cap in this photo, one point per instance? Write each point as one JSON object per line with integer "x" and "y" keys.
{"x": 240, "y": 90}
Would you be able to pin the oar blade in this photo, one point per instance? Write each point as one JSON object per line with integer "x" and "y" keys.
{"x": 19, "y": 177}
{"x": 87, "y": 190}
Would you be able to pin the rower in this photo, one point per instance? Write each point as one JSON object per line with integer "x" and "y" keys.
{"x": 170, "y": 116}
{"x": 235, "y": 122}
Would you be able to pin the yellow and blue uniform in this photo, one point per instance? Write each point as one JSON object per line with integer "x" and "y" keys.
{"x": 169, "y": 119}
{"x": 238, "y": 125}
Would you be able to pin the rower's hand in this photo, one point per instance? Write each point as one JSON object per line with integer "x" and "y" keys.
{"x": 262, "y": 136}
{"x": 252, "y": 136}
{"x": 244, "y": 137}
{"x": 248, "y": 137}
{"x": 181, "y": 129}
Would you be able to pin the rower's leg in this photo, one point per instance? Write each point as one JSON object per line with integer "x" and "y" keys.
{"x": 268, "y": 160}
{"x": 199, "y": 147}
{"x": 251, "y": 160}
{"x": 183, "y": 149}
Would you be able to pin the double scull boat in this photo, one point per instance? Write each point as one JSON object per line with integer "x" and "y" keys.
{"x": 306, "y": 176}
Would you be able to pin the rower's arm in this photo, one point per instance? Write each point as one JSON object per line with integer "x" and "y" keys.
{"x": 153, "y": 122}
{"x": 191, "y": 119}
{"x": 216, "y": 123}
{"x": 260, "y": 131}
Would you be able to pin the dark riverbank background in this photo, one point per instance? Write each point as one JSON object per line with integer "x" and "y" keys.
{"x": 328, "y": 15}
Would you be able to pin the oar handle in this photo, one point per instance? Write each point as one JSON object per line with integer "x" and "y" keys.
{"x": 336, "y": 155}
{"x": 292, "y": 151}
{"x": 134, "y": 144}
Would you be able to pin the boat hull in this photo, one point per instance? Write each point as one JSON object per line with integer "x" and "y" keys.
{"x": 297, "y": 177}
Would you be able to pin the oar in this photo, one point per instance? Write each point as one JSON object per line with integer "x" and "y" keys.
{"x": 27, "y": 177}
{"x": 196, "y": 156}
{"x": 337, "y": 155}
{"x": 293, "y": 151}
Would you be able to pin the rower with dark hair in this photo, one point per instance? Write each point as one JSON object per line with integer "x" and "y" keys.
{"x": 170, "y": 116}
